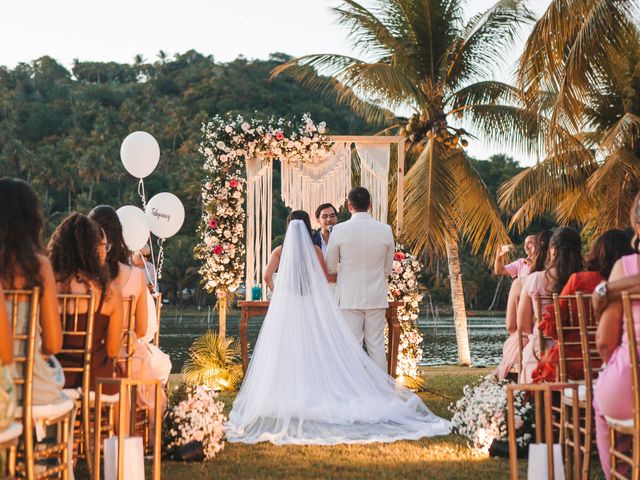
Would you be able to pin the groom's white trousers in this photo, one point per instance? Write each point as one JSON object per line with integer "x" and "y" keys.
{"x": 368, "y": 326}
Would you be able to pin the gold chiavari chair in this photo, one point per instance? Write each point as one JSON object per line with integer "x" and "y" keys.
{"x": 110, "y": 402}
{"x": 144, "y": 418}
{"x": 8, "y": 443}
{"x": 576, "y": 327}
{"x": 75, "y": 356}
{"x": 24, "y": 314}
{"x": 628, "y": 426}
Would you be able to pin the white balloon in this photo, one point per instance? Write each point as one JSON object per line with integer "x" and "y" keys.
{"x": 140, "y": 154}
{"x": 165, "y": 214}
{"x": 135, "y": 227}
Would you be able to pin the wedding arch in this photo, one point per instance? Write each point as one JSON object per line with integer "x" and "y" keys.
{"x": 237, "y": 195}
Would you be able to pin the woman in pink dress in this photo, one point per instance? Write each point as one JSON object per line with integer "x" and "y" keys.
{"x": 563, "y": 260}
{"x": 613, "y": 396}
{"x": 511, "y": 345}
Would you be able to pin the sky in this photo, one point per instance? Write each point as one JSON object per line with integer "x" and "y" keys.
{"x": 117, "y": 30}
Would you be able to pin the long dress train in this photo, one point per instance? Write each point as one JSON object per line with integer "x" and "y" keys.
{"x": 309, "y": 382}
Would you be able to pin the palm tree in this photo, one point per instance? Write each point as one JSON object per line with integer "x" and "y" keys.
{"x": 422, "y": 56}
{"x": 588, "y": 86}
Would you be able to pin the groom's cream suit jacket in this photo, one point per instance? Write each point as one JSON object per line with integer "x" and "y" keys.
{"x": 364, "y": 247}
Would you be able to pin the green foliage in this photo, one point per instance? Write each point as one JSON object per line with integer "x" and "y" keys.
{"x": 61, "y": 130}
{"x": 213, "y": 361}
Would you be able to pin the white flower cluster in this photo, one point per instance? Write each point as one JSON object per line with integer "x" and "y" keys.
{"x": 403, "y": 286}
{"x": 226, "y": 143}
{"x": 480, "y": 415}
{"x": 197, "y": 418}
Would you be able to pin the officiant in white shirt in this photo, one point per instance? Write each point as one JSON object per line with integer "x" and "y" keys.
{"x": 327, "y": 217}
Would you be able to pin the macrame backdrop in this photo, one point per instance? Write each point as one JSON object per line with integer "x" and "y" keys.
{"x": 307, "y": 185}
{"x": 258, "y": 235}
{"x": 374, "y": 176}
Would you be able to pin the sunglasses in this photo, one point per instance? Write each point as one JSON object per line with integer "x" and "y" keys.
{"x": 107, "y": 246}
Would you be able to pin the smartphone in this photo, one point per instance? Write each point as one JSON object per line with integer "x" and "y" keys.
{"x": 508, "y": 248}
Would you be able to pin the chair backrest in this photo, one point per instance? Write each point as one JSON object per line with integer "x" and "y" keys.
{"x": 158, "y": 301}
{"x": 24, "y": 342}
{"x": 576, "y": 326}
{"x": 627, "y": 300}
{"x": 128, "y": 332}
{"x": 591, "y": 359}
{"x": 540, "y": 303}
{"x": 77, "y": 335}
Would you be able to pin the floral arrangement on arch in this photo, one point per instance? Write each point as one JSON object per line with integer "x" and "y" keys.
{"x": 403, "y": 287}
{"x": 481, "y": 414}
{"x": 226, "y": 143}
{"x": 195, "y": 416}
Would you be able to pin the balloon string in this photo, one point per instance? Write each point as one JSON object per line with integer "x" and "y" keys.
{"x": 142, "y": 194}
{"x": 160, "y": 257}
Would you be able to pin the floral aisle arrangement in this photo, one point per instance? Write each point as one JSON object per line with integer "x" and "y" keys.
{"x": 227, "y": 142}
{"x": 404, "y": 287}
{"x": 194, "y": 416}
{"x": 481, "y": 414}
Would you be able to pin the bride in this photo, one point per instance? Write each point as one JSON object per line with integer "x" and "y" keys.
{"x": 309, "y": 381}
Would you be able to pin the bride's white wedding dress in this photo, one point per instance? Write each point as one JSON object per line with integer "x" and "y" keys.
{"x": 309, "y": 382}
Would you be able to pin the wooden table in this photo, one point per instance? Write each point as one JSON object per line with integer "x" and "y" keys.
{"x": 259, "y": 308}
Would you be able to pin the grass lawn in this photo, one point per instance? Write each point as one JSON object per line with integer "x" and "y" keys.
{"x": 431, "y": 458}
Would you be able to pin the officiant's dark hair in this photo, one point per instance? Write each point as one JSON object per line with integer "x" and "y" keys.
{"x": 300, "y": 215}
{"x": 360, "y": 198}
{"x": 323, "y": 207}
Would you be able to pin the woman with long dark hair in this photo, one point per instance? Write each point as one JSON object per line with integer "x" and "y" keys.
{"x": 564, "y": 258}
{"x": 78, "y": 252}
{"x": 274, "y": 259}
{"x": 130, "y": 280}
{"x": 23, "y": 265}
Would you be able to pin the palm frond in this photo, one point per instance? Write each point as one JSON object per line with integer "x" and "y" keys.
{"x": 429, "y": 198}
{"x": 213, "y": 361}
{"x": 483, "y": 40}
{"x": 480, "y": 93}
{"x": 508, "y": 127}
{"x": 477, "y": 217}
{"x": 347, "y": 86}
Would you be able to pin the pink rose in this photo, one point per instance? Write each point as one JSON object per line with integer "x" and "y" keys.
{"x": 217, "y": 250}
{"x": 399, "y": 256}
{"x": 213, "y": 223}
{"x": 279, "y": 136}
{"x": 233, "y": 183}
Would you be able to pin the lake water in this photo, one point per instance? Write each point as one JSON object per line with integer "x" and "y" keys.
{"x": 486, "y": 336}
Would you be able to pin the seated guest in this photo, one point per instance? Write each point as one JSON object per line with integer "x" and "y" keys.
{"x": 141, "y": 260}
{"x": 6, "y": 338}
{"x": 605, "y": 251}
{"x": 7, "y": 392}
{"x": 510, "y": 350}
{"x": 130, "y": 280}
{"x": 613, "y": 394}
{"x": 563, "y": 259}
{"x": 327, "y": 217}
{"x": 78, "y": 251}
{"x": 24, "y": 266}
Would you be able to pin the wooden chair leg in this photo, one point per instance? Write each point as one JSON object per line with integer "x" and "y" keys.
{"x": 511, "y": 426}
{"x": 576, "y": 437}
{"x": 64, "y": 439}
{"x": 11, "y": 460}
{"x": 613, "y": 467}
{"x": 548, "y": 432}
{"x": 588, "y": 431}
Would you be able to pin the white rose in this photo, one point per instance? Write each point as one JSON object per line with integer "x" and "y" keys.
{"x": 228, "y": 129}
{"x": 245, "y": 126}
{"x": 220, "y": 145}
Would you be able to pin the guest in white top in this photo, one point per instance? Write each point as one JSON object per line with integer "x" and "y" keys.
{"x": 327, "y": 217}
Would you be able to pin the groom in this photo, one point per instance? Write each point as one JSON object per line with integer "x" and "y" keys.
{"x": 364, "y": 248}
